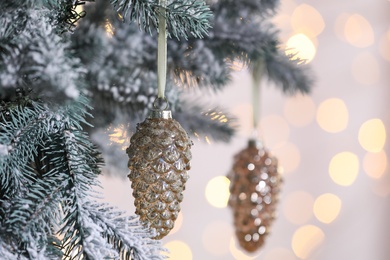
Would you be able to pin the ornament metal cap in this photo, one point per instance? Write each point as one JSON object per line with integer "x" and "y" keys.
{"x": 255, "y": 143}
{"x": 157, "y": 112}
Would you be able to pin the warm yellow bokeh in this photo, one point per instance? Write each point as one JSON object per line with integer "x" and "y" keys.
{"x": 299, "y": 110}
{"x": 119, "y": 136}
{"x": 375, "y": 164}
{"x": 344, "y": 168}
{"x": 289, "y": 157}
{"x": 217, "y": 191}
{"x": 381, "y": 187}
{"x": 327, "y": 207}
{"x": 358, "y": 31}
{"x": 332, "y": 115}
{"x": 372, "y": 135}
{"x": 307, "y": 20}
{"x": 306, "y": 241}
{"x": 300, "y": 46}
{"x": 298, "y": 207}
{"x": 365, "y": 69}
{"x": 216, "y": 237}
{"x": 178, "y": 250}
{"x": 384, "y": 46}
{"x": 275, "y": 130}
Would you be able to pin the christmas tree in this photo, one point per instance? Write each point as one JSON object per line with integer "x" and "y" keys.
{"x": 57, "y": 64}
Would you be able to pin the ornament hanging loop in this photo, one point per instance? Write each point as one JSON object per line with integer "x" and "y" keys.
{"x": 159, "y": 102}
{"x": 158, "y": 111}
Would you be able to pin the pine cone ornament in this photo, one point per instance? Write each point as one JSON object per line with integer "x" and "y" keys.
{"x": 254, "y": 188}
{"x": 159, "y": 158}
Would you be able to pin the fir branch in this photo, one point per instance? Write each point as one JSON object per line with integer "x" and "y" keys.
{"x": 184, "y": 17}
{"x": 289, "y": 72}
{"x": 213, "y": 123}
{"x": 118, "y": 229}
{"x": 22, "y": 130}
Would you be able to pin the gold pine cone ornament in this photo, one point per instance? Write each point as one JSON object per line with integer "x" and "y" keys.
{"x": 159, "y": 160}
{"x": 254, "y": 189}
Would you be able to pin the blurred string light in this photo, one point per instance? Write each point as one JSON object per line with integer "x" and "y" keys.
{"x": 384, "y": 45}
{"x": 280, "y": 253}
{"x": 298, "y": 207}
{"x": 109, "y": 28}
{"x": 327, "y": 207}
{"x": 119, "y": 136}
{"x": 275, "y": 130}
{"x": 344, "y": 168}
{"x": 217, "y": 191}
{"x": 216, "y": 238}
{"x": 299, "y": 110}
{"x": 239, "y": 254}
{"x": 372, "y": 135}
{"x": 382, "y": 186}
{"x": 375, "y": 164}
{"x": 289, "y": 157}
{"x": 306, "y": 241}
{"x": 332, "y": 115}
{"x": 300, "y": 46}
{"x": 307, "y": 20}
{"x": 358, "y": 31}
{"x": 365, "y": 69}
{"x": 178, "y": 250}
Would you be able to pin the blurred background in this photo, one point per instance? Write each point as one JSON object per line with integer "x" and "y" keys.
{"x": 332, "y": 146}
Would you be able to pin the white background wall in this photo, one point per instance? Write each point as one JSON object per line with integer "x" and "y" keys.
{"x": 351, "y": 64}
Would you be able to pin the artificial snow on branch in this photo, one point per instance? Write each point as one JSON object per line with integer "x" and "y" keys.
{"x": 48, "y": 168}
{"x": 183, "y": 17}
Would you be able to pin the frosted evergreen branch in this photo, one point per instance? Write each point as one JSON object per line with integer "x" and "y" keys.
{"x": 289, "y": 72}
{"x": 212, "y": 123}
{"x": 31, "y": 217}
{"x": 118, "y": 229}
{"x": 183, "y": 17}
{"x": 22, "y": 130}
{"x": 40, "y": 60}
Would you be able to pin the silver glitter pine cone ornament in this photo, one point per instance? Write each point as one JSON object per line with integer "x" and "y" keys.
{"x": 254, "y": 189}
{"x": 159, "y": 160}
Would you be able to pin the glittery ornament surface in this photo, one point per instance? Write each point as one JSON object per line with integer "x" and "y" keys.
{"x": 159, "y": 158}
{"x": 254, "y": 188}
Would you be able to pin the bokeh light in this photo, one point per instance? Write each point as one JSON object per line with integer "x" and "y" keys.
{"x": 307, "y": 20}
{"x": 299, "y": 110}
{"x": 332, "y": 115}
{"x": 280, "y": 253}
{"x": 289, "y": 157}
{"x": 178, "y": 223}
{"x": 381, "y": 187}
{"x": 178, "y": 250}
{"x": 375, "y": 164}
{"x": 358, "y": 31}
{"x": 119, "y": 136}
{"x": 344, "y": 168}
{"x": 365, "y": 69}
{"x": 217, "y": 191}
{"x": 275, "y": 129}
{"x": 327, "y": 207}
{"x": 300, "y": 46}
{"x": 372, "y": 135}
{"x": 298, "y": 207}
{"x": 306, "y": 241}
{"x": 384, "y": 46}
{"x": 216, "y": 237}
{"x": 238, "y": 253}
